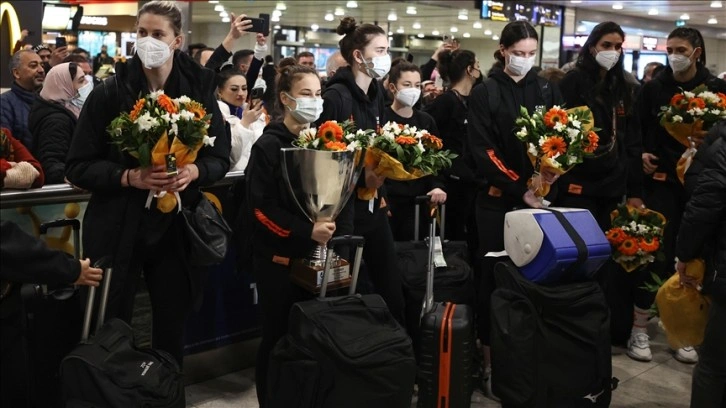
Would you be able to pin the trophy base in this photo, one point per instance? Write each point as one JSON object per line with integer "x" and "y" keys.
{"x": 310, "y": 277}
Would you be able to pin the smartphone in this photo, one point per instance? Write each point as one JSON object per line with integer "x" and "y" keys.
{"x": 446, "y": 38}
{"x": 60, "y": 42}
{"x": 260, "y": 25}
{"x": 257, "y": 93}
{"x": 171, "y": 169}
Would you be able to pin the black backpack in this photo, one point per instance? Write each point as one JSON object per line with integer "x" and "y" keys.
{"x": 550, "y": 344}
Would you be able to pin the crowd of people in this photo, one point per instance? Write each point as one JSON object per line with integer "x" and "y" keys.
{"x": 57, "y": 111}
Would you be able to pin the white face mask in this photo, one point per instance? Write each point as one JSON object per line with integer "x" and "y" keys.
{"x": 520, "y": 66}
{"x": 680, "y": 63}
{"x": 152, "y": 52}
{"x": 307, "y": 110}
{"x": 83, "y": 93}
{"x": 408, "y": 96}
{"x": 607, "y": 59}
{"x": 378, "y": 67}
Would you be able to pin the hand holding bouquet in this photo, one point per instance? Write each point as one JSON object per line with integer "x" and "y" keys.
{"x": 556, "y": 141}
{"x": 689, "y": 113}
{"x": 635, "y": 236}
{"x": 160, "y": 131}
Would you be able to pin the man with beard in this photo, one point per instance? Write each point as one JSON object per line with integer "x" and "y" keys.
{"x": 28, "y": 73}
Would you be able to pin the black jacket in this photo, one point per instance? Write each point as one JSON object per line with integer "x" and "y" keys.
{"x": 703, "y": 226}
{"x": 656, "y": 93}
{"x": 115, "y": 215}
{"x": 616, "y": 170}
{"x": 500, "y": 157}
{"x": 52, "y": 127}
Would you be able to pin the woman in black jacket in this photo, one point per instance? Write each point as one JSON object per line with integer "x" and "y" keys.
{"x": 354, "y": 93}
{"x": 279, "y": 231}
{"x": 53, "y": 117}
{"x": 702, "y": 233}
{"x": 116, "y": 223}
{"x": 500, "y": 157}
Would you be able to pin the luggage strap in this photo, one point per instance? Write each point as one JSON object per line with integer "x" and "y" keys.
{"x": 576, "y": 239}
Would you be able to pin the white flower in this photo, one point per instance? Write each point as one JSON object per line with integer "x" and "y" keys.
{"x": 575, "y": 123}
{"x": 572, "y": 133}
{"x": 522, "y": 133}
{"x": 559, "y": 126}
{"x": 117, "y": 131}
{"x": 541, "y": 141}
{"x": 390, "y": 136}
{"x": 709, "y": 97}
{"x": 309, "y": 133}
{"x": 186, "y": 115}
{"x": 184, "y": 99}
{"x": 571, "y": 159}
{"x": 642, "y": 229}
{"x": 420, "y": 147}
{"x": 166, "y": 117}
{"x": 532, "y": 149}
{"x": 354, "y": 145}
{"x": 209, "y": 141}
{"x": 695, "y": 111}
{"x": 174, "y": 129}
{"x": 175, "y": 117}
{"x": 315, "y": 143}
{"x": 146, "y": 122}
{"x": 154, "y": 95}
{"x": 677, "y": 119}
{"x": 715, "y": 112}
{"x": 689, "y": 95}
{"x": 633, "y": 225}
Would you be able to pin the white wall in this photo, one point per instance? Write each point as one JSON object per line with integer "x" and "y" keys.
{"x": 715, "y": 55}
{"x": 484, "y": 50}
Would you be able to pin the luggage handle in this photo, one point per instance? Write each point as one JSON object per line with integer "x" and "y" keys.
{"x": 105, "y": 286}
{"x": 422, "y": 199}
{"x": 351, "y": 240}
{"x": 428, "y": 303}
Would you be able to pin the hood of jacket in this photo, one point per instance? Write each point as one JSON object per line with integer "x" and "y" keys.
{"x": 345, "y": 76}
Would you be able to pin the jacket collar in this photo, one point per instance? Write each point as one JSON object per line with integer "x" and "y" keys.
{"x": 26, "y": 96}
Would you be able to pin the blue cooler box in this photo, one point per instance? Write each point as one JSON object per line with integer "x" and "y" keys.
{"x": 539, "y": 245}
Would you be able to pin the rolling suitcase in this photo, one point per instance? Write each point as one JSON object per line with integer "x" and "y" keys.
{"x": 454, "y": 282}
{"x": 344, "y": 351}
{"x": 109, "y": 371}
{"x": 447, "y": 356}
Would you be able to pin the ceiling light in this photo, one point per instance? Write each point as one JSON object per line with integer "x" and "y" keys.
{"x": 477, "y": 25}
{"x": 684, "y": 16}
{"x": 275, "y": 18}
{"x": 411, "y": 10}
{"x": 339, "y": 12}
{"x": 392, "y": 16}
{"x": 213, "y": 1}
{"x": 467, "y": 35}
{"x": 223, "y": 14}
{"x": 416, "y": 26}
{"x": 390, "y": 33}
{"x": 314, "y": 27}
{"x": 617, "y": 6}
{"x": 653, "y": 12}
{"x": 276, "y": 13}
{"x": 329, "y": 17}
{"x": 716, "y": 4}
{"x": 420, "y": 35}
{"x": 575, "y": 1}
{"x": 581, "y": 28}
{"x": 400, "y": 30}
{"x": 495, "y": 37}
{"x": 280, "y": 6}
{"x": 435, "y": 32}
{"x": 487, "y": 32}
{"x": 463, "y": 15}
{"x": 219, "y": 7}
{"x": 454, "y": 30}
{"x": 277, "y": 27}
{"x": 352, "y": 4}
{"x": 226, "y": 20}
{"x": 712, "y": 20}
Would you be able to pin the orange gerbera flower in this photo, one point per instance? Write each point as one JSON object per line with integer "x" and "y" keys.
{"x": 335, "y": 146}
{"x": 136, "y": 111}
{"x": 649, "y": 245}
{"x": 553, "y": 146}
{"x": 196, "y": 108}
{"x": 167, "y": 104}
{"x": 629, "y": 247}
{"x": 406, "y": 140}
{"x": 592, "y": 142}
{"x": 555, "y": 115}
{"x": 330, "y": 131}
{"x": 677, "y": 99}
{"x": 615, "y": 236}
{"x": 432, "y": 142}
{"x": 696, "y": 103}
{"x": 722, "y": 104}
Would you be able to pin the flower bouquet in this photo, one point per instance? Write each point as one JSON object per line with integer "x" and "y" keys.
{"x": 160, "y": 130}
{"x": 635, "y": 236}
{"x": 402, "y": 152}
{"x": 692, "y": 111}
{"x": 334, "y": 136}
{"x": 556, "y": 140}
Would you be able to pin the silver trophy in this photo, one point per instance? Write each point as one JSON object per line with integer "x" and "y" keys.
{"x": 320, "y": 183}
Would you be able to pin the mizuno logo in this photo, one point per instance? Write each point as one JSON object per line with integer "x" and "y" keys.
{"x": 593, "y": 398}
{"x": 148, "y": 365}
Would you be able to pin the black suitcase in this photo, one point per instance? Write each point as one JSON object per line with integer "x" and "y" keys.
{"x": 550, "y": 344}
{"x": 109, "y": 371}
{"x": 447, "y": 355}
{"x": 453, "y": 282}
{"x": 344, "y": 351}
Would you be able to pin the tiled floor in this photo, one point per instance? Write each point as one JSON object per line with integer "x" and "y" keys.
{"x": 664, "y": 382}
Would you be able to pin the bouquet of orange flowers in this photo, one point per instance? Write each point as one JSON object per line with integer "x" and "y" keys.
{"x": 334, "y": 136}
{"x": 556, "y": 139}
{"x": 635, "y": 236}
{"x": 690, "y": 111}
{"x": 160, "y": 129}
{"x": 402, "y": 152}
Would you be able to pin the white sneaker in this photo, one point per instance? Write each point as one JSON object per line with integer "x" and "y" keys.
{"x": 639, "y": 347}
{"x": 686, "y": 355}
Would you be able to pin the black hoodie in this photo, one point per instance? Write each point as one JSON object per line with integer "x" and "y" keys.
{"x": 500, "y": 157}
{"x": 52, "y": 127}
{"x": 656, "y": 139}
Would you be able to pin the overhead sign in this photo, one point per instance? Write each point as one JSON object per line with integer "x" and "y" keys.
{"x": 650, "y": 43}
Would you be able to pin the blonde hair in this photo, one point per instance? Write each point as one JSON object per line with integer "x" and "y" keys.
{"x": 163, "y": 8}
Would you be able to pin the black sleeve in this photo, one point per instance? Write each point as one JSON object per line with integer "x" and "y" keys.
{"x": 52, "y": 140}
{"x": 27, "y": 259}
{"x": 648, "y": 123}
{"x": 634, "y": 152}
{"x": 427, "y": 69}
{"x": 440, "y": 109}
{"x": 218, "y": 57}
{"x": 253, "y": 72}
{"x": 570, "y": 91}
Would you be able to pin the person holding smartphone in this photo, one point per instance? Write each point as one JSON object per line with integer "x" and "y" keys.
{"x": 246, "y": 120}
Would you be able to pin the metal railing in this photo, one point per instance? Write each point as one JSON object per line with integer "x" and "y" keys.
{"x": 63, "y": 193}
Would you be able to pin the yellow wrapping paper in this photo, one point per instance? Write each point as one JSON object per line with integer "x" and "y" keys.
{"x": 682, "y": 131}
{"x": 385, "y": 165}
{"x": 683, "y": 310}
{"x": 536, "y": 183}
{"x": 184, "y": 155}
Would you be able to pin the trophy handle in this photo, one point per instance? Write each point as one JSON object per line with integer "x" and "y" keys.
{"x": 359, "y": 242}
